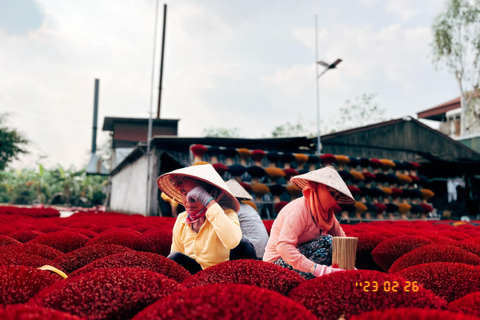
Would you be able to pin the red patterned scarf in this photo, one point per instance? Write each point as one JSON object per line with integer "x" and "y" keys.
{"x": 193, "y": 216}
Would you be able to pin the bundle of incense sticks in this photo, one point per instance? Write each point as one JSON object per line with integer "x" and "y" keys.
{"x": 344, "y": 252}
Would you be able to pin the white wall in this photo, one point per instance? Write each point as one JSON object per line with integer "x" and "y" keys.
{"x": 129, "y": 188}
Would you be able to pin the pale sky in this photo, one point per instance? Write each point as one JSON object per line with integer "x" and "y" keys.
{"x": 241, "y": 64}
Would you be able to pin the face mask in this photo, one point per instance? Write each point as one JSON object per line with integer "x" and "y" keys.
{"x": 193, "y": 216}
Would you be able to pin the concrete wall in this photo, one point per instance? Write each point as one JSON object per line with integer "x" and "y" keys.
{"x": 129, "y": 188}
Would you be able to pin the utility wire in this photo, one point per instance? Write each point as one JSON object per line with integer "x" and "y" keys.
{"x": 149, "y": 137}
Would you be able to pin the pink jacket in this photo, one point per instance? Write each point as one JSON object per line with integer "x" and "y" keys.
{"x": 294, "y": 226}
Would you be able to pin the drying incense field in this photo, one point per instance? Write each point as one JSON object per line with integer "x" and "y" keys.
{"x": 114, "y": 266}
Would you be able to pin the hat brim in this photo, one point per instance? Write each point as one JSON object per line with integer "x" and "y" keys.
{"x": 237, "y": 190}
{"x": 329, "y": 177}
{"x": 205, "y": 173}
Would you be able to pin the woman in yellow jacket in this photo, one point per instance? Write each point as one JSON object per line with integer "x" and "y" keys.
{"x": 208, "y": 232}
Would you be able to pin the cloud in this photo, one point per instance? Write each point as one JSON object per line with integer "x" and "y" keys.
{"x": 227, "y": 64}
{"x": 292, "y": 81}
{"x": 390, "y": 61}
{"x": 408, "y": 9}
{"x": 405, "y": 9}
{"x": 18, "y": 17}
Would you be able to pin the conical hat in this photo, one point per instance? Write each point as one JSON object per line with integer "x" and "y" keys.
{"x": 205, "y": 173}
{"x": 329, "y": 177}
{"x": 238, "y": 191}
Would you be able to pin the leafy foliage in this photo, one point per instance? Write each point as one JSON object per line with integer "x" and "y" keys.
{"x": 221, "y": 132}
{"x": 11, "y": 143}
{"x": 358, "y": 112}
{"x": 456, "y": 44}
{"x": 54, "y": 186}
{"x": 292, "y": 129}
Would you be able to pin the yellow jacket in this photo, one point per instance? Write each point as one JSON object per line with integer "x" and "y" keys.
{"x": 212, "y": 244}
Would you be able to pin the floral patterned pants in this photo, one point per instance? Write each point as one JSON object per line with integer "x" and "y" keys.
{"x": 318, "y": 250}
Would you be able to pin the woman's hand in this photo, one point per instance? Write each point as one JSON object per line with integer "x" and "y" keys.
{"x": 321, "y": 270}
{"x": 198, "y": 194}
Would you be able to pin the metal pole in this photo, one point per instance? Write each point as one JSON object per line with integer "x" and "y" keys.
{"x": 95, "y": 115}
{"x": 161, "y": 61}
{"x": 319, "y": 144}
{"x": 149, "y": 137}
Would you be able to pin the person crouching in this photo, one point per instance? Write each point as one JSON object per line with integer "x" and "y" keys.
{"x": 301, "y": 235}
{"x": 206, "y": 233}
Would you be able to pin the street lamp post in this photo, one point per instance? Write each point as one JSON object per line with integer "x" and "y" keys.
{"x": 327, "y": 66}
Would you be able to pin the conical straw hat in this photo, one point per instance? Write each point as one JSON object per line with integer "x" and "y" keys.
{"x": 205, "y": 173}
{"x": 238, "y": 191}
{"x": 329, "y": 177}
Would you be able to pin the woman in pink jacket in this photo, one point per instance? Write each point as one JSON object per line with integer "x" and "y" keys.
{"x": 301, "y": 235}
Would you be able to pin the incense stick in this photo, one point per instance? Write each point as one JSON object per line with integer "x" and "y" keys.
{"x": 344, "y": 252}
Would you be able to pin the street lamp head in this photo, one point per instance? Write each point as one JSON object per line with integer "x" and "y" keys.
{"x": 333, "y": 65}
{"x": 323, "y": 63}
{"x": 329, "y": 65}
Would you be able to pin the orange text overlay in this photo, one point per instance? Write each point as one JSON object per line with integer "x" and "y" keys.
{"x": 387, "y": 286}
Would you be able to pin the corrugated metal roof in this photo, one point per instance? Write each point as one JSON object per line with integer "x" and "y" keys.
{"x": 438, "y": 113}
{"x": 108, "y": 122}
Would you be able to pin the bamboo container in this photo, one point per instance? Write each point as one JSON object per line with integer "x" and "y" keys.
{"x": 344, "y": 252}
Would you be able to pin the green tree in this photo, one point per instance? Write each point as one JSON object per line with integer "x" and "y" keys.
{"x": 70, "y": 182}
{"x": 289, "y": 129}
{"x": 456, "y": 45}
{"x": 221, "y": 132}
{"x": 19, "y": 185}
{"x": 57, "y": 186}
{"x": 41, "y": 184}
{"x": 91, "y": 190}
{"x": 12, "y": 143}
{"x": 359, "y": 112}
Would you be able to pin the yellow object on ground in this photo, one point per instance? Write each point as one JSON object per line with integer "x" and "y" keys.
{"x": 53, "y": 269}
